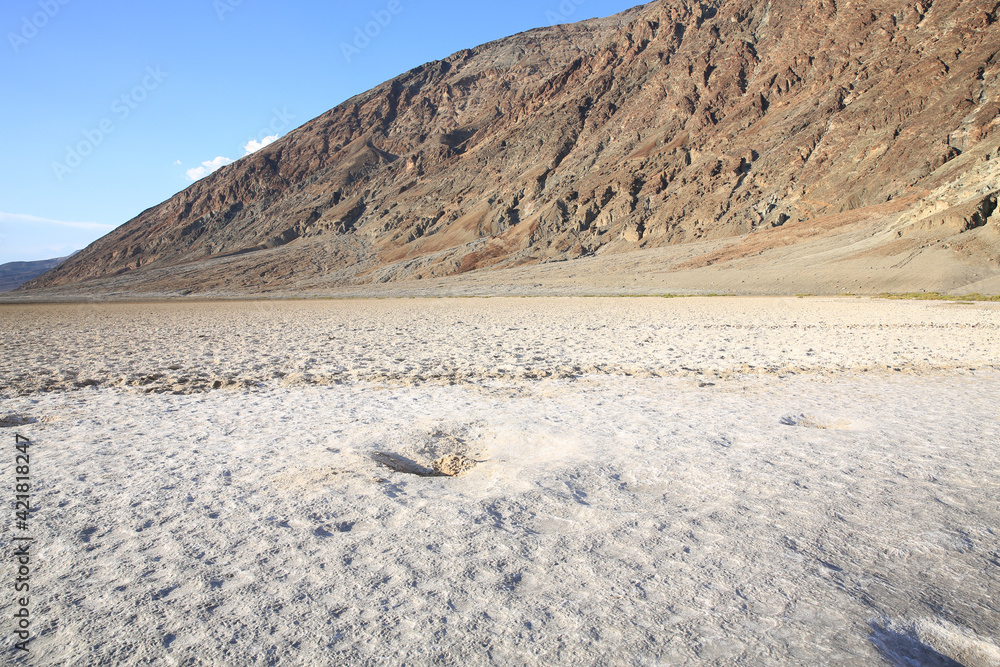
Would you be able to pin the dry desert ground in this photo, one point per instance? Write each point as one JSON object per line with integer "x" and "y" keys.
{"x": 645, "y": 481}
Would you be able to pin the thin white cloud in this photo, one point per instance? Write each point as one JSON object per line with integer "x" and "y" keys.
{"x": 208, "y": 167}
{"x": 22, "y": 219}
{"x": 177, "y": 162}
{"x": 253, "y": 145}
{"x": 30, "y": 237}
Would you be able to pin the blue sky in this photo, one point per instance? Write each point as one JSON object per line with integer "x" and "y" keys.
{"x": 111, "y": 107}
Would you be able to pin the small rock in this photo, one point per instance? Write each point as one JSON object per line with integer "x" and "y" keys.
{"x": 453, "y": 465}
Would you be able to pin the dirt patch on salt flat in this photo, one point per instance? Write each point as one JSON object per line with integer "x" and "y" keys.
{"x": 11, "y": 421}
{"x": 449, "y": 465}
{"x": 810, "y": 421}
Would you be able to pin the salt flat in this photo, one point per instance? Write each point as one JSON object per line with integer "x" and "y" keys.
{"x": 659, "y": 481}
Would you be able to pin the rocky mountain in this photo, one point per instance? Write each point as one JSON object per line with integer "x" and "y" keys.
{"x": 15, "y": 274}
{"x": 734, "y": 127}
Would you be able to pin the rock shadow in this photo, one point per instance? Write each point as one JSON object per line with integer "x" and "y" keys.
{"x": 904, "y": 649}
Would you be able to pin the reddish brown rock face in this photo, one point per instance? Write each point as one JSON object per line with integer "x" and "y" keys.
{"x": 669, "y": 123}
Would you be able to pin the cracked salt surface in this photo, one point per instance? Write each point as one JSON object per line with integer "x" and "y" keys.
{"x": 193, "y": 347}
{"x": 815, "y": 518}
{"x": 614, "y": 520}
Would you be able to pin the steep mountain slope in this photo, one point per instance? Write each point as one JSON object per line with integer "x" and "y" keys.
{"x": 671, "y": 123}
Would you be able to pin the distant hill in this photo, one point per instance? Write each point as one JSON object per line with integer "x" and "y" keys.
{"x": 855, "y": 144}
{"x": 15, "y": 274}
